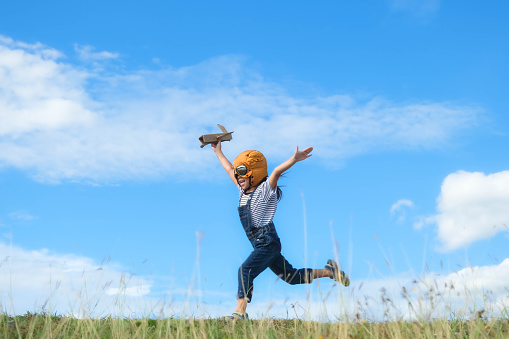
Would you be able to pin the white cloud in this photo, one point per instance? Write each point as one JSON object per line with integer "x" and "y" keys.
{"x": 406, "y": 296}
{"x": 418, "y": 8}
{"x": 37, "y": 93}
{"x": 135, "y": 291}
{"x": 471, "y": 207}
{"x": 63, "y": 123}
{"x": 400, "y": 204}
{"x": 37, "y": 48}
{"x": 36, "y": 280}
{"x": 423, "y": 220}
{"x": 86, "y": 53}
{"x": 22, "y": 215}
{"x": 402, "y": 296}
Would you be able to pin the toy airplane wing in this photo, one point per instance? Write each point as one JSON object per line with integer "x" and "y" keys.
{"x": 211, "y": 138}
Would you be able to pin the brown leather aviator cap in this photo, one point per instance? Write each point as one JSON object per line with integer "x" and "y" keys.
{"x": 256, "y": 166}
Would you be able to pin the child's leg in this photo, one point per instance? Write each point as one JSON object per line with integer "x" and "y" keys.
{"x": 283, "y": 269}
{"x": 256, "y": 263}
{"x": 241, "y": 305}
{"x": 293, "y": 276}
{"x": 321, "y": 273}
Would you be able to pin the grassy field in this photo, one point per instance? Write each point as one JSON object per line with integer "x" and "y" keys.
{"x": 46, "y": 326}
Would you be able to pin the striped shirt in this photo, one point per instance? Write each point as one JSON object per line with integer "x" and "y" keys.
{"x": 263, "y": 203}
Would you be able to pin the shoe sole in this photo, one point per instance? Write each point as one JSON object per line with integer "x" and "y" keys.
{"x": 343, "y": 277}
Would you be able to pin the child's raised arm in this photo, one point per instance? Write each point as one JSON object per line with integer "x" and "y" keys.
{"x": 298, "y": 156}
{"x": 227, "y": 165}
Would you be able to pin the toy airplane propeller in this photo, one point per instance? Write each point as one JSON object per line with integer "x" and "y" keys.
{"x": 212, "y": 138}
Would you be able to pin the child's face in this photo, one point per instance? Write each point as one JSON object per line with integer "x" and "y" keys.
{"x": 244, "y": 182}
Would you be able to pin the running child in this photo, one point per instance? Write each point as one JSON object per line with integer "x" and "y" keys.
{"x": 259, "y": 195}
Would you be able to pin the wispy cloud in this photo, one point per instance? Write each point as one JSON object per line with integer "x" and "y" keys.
{"x": 471, "y": 207}
{"x": 398, "y": 208}
{"x": 402, "y": 296}
{"x": 421, "y": 9}
{"x": 38, "y": 49}
{"x": 63, "y": 123}
{"x": 87, "y": 53}
{"x": 39, "y": 280}
{"x": 401, "y": 203}
{"x": 22, "y": 215}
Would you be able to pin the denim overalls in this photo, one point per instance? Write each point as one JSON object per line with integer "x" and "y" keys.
{"x": 266, "y": 253}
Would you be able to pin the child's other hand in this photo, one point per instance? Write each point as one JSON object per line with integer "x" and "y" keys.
{"x": 304, "y": 154}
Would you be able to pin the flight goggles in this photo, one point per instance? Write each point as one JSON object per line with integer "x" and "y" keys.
{"x": 241, "y": 170}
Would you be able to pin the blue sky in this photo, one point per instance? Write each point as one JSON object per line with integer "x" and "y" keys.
{"x": 106, "y": 194}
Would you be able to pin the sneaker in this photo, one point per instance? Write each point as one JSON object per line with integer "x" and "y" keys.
{"x": 237, "y": 315}
{"x": 338, "y": 275}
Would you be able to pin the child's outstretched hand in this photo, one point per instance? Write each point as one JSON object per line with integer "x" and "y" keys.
{"x": 304, "y": 154}
{"x": 298, "y": 156}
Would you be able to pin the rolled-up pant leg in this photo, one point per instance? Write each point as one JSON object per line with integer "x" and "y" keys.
{"x": 256, "y": 263}
{"x": 283, "y": 269}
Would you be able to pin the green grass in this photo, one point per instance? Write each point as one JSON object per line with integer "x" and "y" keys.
{"x": 51, "y": 326}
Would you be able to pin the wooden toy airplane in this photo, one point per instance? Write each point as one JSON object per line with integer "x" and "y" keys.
{"x": 211, "y": 138}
